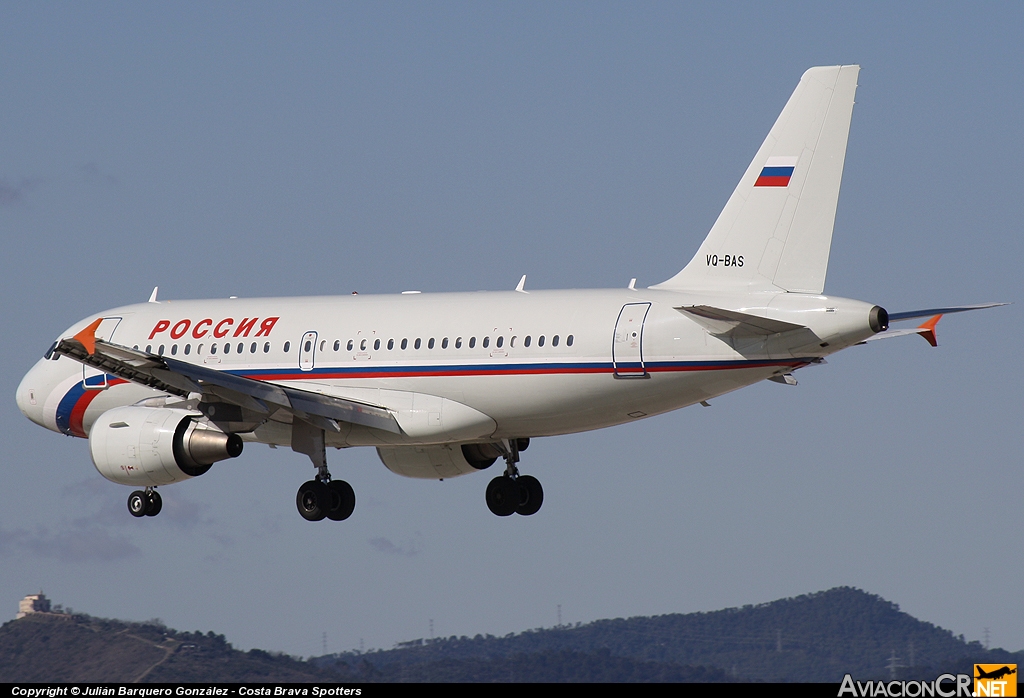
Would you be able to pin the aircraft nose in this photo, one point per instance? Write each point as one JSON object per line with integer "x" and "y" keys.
{"x": 30, "y": 395}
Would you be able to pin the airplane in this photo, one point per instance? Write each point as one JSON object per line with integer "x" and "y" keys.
{"x": 446, "y": 384}
{"x": 995, "y": 674}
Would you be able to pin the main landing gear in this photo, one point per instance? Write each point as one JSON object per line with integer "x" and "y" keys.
{"x": 145, "y": 503}
{"x": 513, "y": 493}
{"x": 320, "y": 498}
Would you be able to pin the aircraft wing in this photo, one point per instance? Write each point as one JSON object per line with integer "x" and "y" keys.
{"x": 181, "y": 378}
{"x": 732, "y": 323}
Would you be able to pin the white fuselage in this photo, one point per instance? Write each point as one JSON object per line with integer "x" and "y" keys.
{"x": 456, "y": 367}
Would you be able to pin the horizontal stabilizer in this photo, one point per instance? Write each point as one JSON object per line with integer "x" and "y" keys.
{"x": 732, "y": 323}
{"x": 914, "y": 314}
{"x": 925, "y": 329}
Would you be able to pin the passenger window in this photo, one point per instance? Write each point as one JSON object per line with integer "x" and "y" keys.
{"x": 444, "y": 343}
{"x": 376, "y": 344}
{"x": 430, "y": 343}
{"x": 391, "y": 344}
{"x": 240, "y": 348}
{"x": 199, "y": 349}
{"x": 266, "y": 348}
{"x": 540, "y": 341}
{"x": 287, "y": 347}
{"x": 350, "y": 345}
{"x": 512, "y": 342}
{"x": 213, "y": 348}
{"x": 362, "y": 345}
{"x": 405, "y": 343}
{"x": 160, "y": 351}
{"x": 149, "y": 348}
{"x": 487, "y": 342}
{"x": 416, "y": 344}
{"x": 188, "y": 349}
{"x": 174, "y": 349}
{"x": 554, "y": 341}
{"x": 308, "y": 345}
{"x": 472, "y": 342}
{"x": 568, "y": 341}
{"x": 526, "y": 342}
{"x": 227, "y": 347}
{"x": 337, "y": 344}
{"x": 458, "y": 342}
{"x": 252, "y": 348}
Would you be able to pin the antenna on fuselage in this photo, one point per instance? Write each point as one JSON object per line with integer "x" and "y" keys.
{"x": 152, "y": 296}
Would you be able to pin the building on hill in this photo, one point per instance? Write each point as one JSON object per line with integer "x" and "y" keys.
{"x": 33, "y": 603}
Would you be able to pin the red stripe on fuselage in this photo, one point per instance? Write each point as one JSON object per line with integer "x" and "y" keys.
{"x": 78, "y": 411}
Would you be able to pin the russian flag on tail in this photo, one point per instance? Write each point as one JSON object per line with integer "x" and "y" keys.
{"x": 777, "y": 171}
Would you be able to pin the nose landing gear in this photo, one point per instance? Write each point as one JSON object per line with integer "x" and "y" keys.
{"x": 512, "y": 493}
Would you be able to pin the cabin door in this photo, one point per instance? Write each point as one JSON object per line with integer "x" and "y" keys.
{"x": 627, "y": 346}
{"x": 307, "y": 350}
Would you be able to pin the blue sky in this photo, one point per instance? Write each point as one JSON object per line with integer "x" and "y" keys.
{"x": 285, "y": 149}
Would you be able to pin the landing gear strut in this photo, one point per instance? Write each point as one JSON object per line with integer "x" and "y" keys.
{"x": 145, "y": 503}
{"x": 512, "y": 493}
{"x": 320, "y": 498}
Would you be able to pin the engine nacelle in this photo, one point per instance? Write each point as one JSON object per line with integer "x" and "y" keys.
{"x": 148, "y": 446}
{"x": 426, "y": 462}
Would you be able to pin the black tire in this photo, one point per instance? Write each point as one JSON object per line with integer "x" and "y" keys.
{"x": 531, "y": 495}
{"x": 343, "y": 500}
{"x": 154, "y": 504}
{"x": 502, "y": 496}
{"x": 313, "y": 500}
{"x": 137, "y": 503}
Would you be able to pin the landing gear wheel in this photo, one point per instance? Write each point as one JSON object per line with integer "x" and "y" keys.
{"x": 138, "y": 502}
{"x": 154, "y": 503}
{"x": 343, "y": 500}
{"x": 531, "y": 495}
{"x": 503, "y": 496}
{"x": 313, "y": 500}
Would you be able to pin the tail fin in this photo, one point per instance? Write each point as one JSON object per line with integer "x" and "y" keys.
{"x": 776, "y": 230}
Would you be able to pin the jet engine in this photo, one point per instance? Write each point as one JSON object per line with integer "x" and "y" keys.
{"x": 428, "y": 462}
{"x": 438, "y": 462}
{"x": 149, "y": 446}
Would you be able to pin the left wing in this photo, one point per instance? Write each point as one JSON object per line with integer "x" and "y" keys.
{"x": 182, "y": 379}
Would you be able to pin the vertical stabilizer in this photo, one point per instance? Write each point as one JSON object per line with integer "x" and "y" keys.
{"x": 776, "y": 229}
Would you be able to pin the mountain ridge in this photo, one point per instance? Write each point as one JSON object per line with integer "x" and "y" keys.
{"x": 812, "y": 637}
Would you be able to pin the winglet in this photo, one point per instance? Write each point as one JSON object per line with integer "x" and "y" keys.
{"x": 87, "y": 337}
{"x": 152, "y": 296}
{"x": 927, "y": 330}
{"x": 522, "y": 284}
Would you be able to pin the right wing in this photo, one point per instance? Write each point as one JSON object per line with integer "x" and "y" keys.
{"x": 181, "y": 378}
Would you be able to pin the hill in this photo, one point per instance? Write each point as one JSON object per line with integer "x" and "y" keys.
{"x": 815, "y": 637}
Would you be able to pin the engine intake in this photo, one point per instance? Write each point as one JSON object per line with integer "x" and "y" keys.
{"x": 149, "y": 446}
